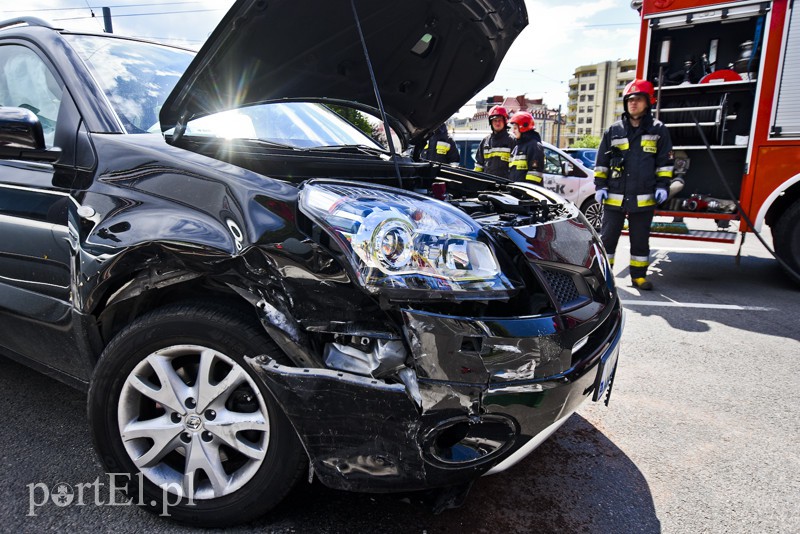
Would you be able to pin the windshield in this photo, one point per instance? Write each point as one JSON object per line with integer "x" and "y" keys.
{"x": 295, "y": 124}
{"x": 136, "y": 77}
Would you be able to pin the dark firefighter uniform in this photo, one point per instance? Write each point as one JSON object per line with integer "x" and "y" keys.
{"x": 527, "y": 158}
{"x": 494, "y": 153}
{"x": 631, "y": 164}
{"x": 440, "y": 147}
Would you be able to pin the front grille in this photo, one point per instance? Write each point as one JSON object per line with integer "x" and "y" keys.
{"x": 563, "y": 288}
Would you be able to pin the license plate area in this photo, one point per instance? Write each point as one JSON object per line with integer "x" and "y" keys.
{"x": 605, "y": 373}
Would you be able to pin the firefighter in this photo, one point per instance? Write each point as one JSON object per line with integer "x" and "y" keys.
{"x": 632, "y": 176}
{"x": 494, "y": 150}
{"x": 441, "y": 148}
{"x": 527, "y": 156}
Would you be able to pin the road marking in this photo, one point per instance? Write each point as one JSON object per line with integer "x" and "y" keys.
{"x": 693, "y": 305}
{"x": 690, "y": 249}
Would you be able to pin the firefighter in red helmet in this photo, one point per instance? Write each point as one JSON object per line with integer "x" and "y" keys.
{"x": 632, "y": 176}
{"x": 527, "y": 157}
{"x": 494, "y": 150}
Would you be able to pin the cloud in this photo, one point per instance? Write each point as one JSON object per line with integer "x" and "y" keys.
{"x": 560, "y": 38}
{"x": 185, "y": 22}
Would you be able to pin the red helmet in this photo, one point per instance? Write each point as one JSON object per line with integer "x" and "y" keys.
{"x": 498, "y": 111}
{"x": 640, "y": 87}
{"x": 524, "y": 120}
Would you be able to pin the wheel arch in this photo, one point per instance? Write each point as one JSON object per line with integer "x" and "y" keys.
{"x": 123, "y": 310}
{"x": 141, "y": 279}
{"x": 778, "y": 202}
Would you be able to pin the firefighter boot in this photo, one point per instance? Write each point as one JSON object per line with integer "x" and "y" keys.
{"x": 642, "y": 283}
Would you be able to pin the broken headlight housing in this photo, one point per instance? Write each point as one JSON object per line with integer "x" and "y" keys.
{"x": 398, "y": 241}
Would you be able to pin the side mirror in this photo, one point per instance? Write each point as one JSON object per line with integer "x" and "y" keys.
{"x": 21, "y": 136}
{"x": 566, "y": 168}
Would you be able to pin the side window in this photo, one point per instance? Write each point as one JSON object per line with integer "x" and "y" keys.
{"x": 473, "y": 150}
{"x": 552, "y": 162}
{"x": 26, "y": 82}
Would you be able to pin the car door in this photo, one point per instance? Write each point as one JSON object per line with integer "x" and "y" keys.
{"x": 568, "y": 181}
{"x": 35, "y": 310}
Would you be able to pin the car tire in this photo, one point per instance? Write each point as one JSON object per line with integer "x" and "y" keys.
{"x": 172, "y": 404}
{"x": 786, "y": 237}
{"x": 593, "y": 211}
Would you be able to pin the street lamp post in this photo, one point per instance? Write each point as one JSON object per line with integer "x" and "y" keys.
{"x": 558, "y": 128}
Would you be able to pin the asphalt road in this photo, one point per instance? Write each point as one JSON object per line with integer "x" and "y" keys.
{"x": 702, "y": 433}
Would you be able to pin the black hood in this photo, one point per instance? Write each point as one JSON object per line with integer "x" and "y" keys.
{"x": 429, "y": 56}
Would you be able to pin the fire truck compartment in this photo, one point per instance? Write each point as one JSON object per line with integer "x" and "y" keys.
{"x": 688, "y": 51}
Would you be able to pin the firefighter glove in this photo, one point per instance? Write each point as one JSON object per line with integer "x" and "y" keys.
{"x": 661, "y": 195}
{"x": 601, "y": 195}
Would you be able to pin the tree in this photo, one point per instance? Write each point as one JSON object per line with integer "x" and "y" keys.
{"x": 587, "y": 141}
{"x": 354, "y": 117}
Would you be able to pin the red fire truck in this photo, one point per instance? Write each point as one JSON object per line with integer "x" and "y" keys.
{"x": 728, "y": 74}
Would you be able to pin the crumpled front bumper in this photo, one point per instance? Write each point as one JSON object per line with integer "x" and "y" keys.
{"x": 364, "y": 434}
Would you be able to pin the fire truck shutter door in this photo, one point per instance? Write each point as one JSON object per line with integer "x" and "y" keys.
{"x": 787, "y": 116}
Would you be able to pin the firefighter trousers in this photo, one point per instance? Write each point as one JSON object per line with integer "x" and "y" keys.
{"x": 639, "y": 231}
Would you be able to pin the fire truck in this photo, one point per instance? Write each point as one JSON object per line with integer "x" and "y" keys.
{"x": 727, "y": 76}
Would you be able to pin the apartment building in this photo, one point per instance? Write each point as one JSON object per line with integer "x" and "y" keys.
{"x": 595, "y": 97}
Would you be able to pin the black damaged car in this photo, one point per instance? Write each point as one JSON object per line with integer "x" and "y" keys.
{"x": 253, "y": 292}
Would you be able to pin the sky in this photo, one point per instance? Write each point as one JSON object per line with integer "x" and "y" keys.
{"x": 561, "y": 35}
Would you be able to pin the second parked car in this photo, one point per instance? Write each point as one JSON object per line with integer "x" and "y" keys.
{"x": 587, "y": 156}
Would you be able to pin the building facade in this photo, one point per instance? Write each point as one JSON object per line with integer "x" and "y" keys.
{"x": 595, "y": 97}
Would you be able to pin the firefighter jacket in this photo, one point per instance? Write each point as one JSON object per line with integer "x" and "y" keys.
{"x": 527, "y": 158}
{"x": 441, "y": 148}
{"x": 494, "y": 153}
{"x": 633, "y": 162}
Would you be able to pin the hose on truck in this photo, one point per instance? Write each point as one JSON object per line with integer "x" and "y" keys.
{"x": 794, "y": 274}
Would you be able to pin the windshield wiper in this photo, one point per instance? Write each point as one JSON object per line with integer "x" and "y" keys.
{"x": 366, "y": 149}
{"x": 269, "y": 143}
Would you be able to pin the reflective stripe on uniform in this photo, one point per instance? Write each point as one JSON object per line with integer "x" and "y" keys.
{"x": 650, "y": 143}
{"x": 601, "y": 172}
{"x": 611, "y": 259}
{"x": 664, "y": 172}
{"x": 478, "y": 168}
{"x": 519, "y": 163}
{"x": 442, "y": 147}
{"x": 614, "y": 199}
{"x": 645, "y": 200}
{"x": 640, "y": 261}
{"x": 497, "y": 152}
{"x": 621, "y": 144}
{"x": 534, "y": 176}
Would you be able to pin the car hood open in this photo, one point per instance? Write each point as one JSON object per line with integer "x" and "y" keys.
{"x": 429, "y": 57}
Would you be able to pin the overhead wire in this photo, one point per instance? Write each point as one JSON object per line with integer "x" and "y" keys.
{"x": 118, "y": 15}
{"x": 154, "y": 4}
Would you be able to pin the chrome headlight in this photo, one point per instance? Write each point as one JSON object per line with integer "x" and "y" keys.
{"x": 397, "y": 240}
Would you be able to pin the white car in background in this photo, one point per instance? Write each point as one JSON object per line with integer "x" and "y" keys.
{"x": 563, "y": 173}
